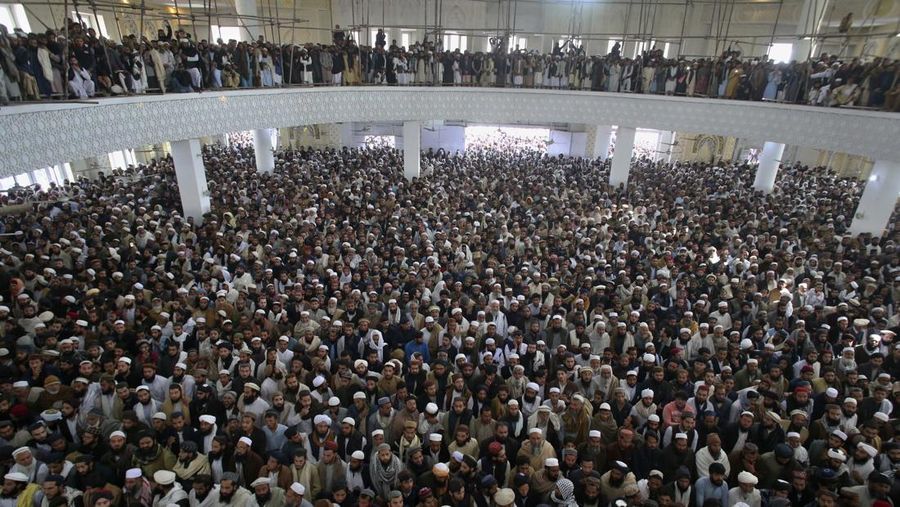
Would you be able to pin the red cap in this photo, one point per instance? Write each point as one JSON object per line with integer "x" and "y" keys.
{"x": 801, "y": 389}
{"x": 331, "y": 445}
{"x": 806, "y": 368}
{"x": 495, "y": 448}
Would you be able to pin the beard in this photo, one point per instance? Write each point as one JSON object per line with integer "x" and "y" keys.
{"x": 226, "y": 497}
{"x": 262, "y": 499}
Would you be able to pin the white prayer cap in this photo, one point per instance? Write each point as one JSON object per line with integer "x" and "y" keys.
{"x": 322, "y": 419}
{"x": 681, "y": 436}
{"x": 318, "y": 381}
{"x": 551, "y": 462}
{"x": 647, "y": 393}
{"x": 793, "y": 434}
{"x": 836, "y": 454}
{"x": 747, "y": 478}
{"x": 117, "y": 433}
{"x": 246, "y": 441}
{"x": 648, "y": 358}
{"x": 164, "y": 477}
{"x": 595, "y": 434}
{"x": 126, "y": 360}
{"x": 358, "y": 455}
{"x": 536, "y": 431}
{"x": 16, "y": 477}
{"x": 871, "y": 451}
{"x": 435, "y": 437}
{"x": 181, "y": 365}
{"x": 349, "y": 420}
{"x": 20, "y": 384}
{"x": 21, "y": 450}
{"x": 831, "y": 392}
{"x": 298, "y": 488}
{"x": 133, "y": 473}
{"x": 431, "y": 408}
{"x": 260, "y": 481}
{"x": 208, "y": 419}
{"x": 160, "y": 415}
{"x": 653, "y": 418}
{"x": 533, "y": 386}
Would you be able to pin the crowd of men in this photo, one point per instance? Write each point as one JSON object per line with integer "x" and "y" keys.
{"x": 507, "y": 330}
{"x": 38, "y": 66}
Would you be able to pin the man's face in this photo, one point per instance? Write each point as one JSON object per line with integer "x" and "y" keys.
{"x": 200, "y": 489}
{"x": 116, "y": 443}
{"x": 226, "y": 489}
{"x": 146, "y": 444}
{"x": 25, "y": 459}
{"x": 51, "y": 489}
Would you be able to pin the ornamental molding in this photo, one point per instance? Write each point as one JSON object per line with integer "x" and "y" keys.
{"x": 39, "y": 135}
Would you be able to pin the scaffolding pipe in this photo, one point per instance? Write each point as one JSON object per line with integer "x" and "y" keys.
{"x": 775, "y": 26}
{"x": 683, "y": 22}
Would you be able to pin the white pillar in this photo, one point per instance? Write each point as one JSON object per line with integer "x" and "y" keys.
{"x": 347, "y": 134}
{"x": 873, "y": 214}
{"x": 412, "y": 142}
{"x": 253, "y": 25}
{"x": 812, "y": 13}
{"x": 621, "y": 160}
{"x": 602, "y": 136}
{"x": 664, "y": 146}
{"x": 767, "y": 169}
{"x": 191, "y": 175}
{"x": 264, "y": 147}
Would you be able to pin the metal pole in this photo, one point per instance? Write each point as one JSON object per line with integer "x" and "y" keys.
{"x": 775, "y": 26}
{"x": 118, "y": 28}
{"x": 683, "y": 22}
{"x": 66, "y": 50}
{"x": 293, "y": 30}
{"x": 143, "y": 6}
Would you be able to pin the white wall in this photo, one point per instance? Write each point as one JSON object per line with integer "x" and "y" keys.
{"x": 567, "y": 143}
{"x": 451, "y": 138}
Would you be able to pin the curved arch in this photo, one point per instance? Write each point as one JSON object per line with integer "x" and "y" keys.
{"x": 45, "y": 134}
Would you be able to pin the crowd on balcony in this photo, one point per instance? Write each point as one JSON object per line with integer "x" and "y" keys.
{"x": 332, "y": 334}
{"x": 32, "y": 68}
